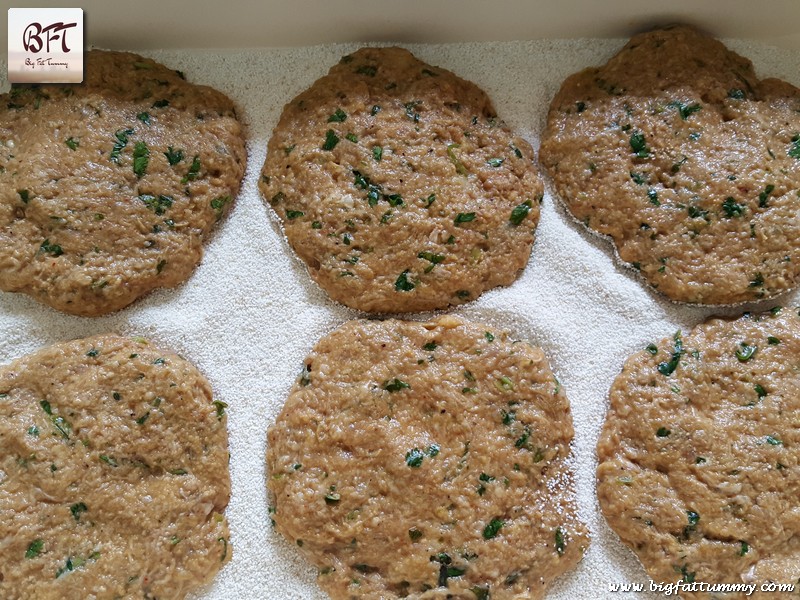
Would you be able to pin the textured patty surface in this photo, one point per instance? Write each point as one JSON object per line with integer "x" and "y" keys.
{"x": 699, "y": 455}
{"x": 689, "y": 162}
{"x": 427, "y": 460}
{"x": 113, "y": 474}
{"x": 398, "y": 186}
{"x": 108, "y": 188}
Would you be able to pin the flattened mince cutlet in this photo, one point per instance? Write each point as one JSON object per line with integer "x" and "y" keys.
{"x": 688, "y": 162}
{"x": 427, "y": 460}
{"x": 699, "y": 454}
{"x": 108, "y": 188}
{"x": 399, "y": 187}
{"x": 113, "y": 474}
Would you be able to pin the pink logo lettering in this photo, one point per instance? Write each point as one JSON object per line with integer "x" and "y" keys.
{"x": 32, "y": 36}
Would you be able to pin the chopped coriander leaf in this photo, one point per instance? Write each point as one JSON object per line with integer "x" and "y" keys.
{"x": 395, "y": 385}
{"x": 736, "y": 94}
{"x": 34, "y": 548}
{"x": 695, "y": 212}
{"x": 686, "y": 110}
{"x": 141, "y": 157}
{"x": 495, "y": 162}
{"x": 220, "y": 406}
{"x": 24, "y": 195}
{"x": 522, "y": 441}
{"x": 652, "y": 349}
{"x": 464, "y": 218}
{"x": 294, "y": 214}
{"x": 764, "y": 196}
{"x": 744, "y": 548}
{"x": 520, "y": 212}
{"x": 93, "y": 352}
{"x": 141, "y": 420}
{"x": 699, "y": 460}
{"x": 403, "y": 284}
{"x": 638, "y": 178}
{"x": 72, "y": 143}
{"x": 731, "y": 208}
{"x": 316, "y": 225}
{"x": 745, "y": 351}
{"x": 663, "y": 432}
{"x": 352, "y": 137}
{"x": 414, "y": 458}
{"x": 173, "y": 156}
{"x": 639, "y": 145}
{"x": 773, "y": 341}
{"x": 492, "y": 529}
{"x": 434, "y": 259}
{"x": 560, "y": 541}
{"x": 77, "y": 509}
{"x": 411, "y": 110}
{"x": 160, "y": 103}
{"x": 415, "y": 534}
{"x": 219, "y": 203}
{"x": 773, "y": 441}
{"x": 451, "y": 153}
{"x": 481, "y": 592}
{"x": 667, "y": 368}
{"x": 760, "y": 390}
{"x": 375, "y": 110}
{"x": 194, "y": 170}
{"x": 794, "y": 149}
{"x": 338, "y": 116}
{"x": 33, "y": 431}
{"x": 331, "y": 139}
{"x": 122, "y": 141}
{"x": 489, "y": 336}
{"x": 693, "y": 517}
{"x": 158, "y": 204}
{"x": 49, "y": 248}
{"x": 508, "y": 417}
{"x": 757, "y": 281}
{"x": 377, "y": 153}
{"x": 108, "y": 460}
{"x": 653, "y": 196}
{"x": 332, "y": 497}
{"x": 430, "y": 346}
{"x": 144, "y": 117}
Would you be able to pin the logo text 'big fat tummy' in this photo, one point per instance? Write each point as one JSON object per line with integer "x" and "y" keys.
{"x": 45, "y": 45}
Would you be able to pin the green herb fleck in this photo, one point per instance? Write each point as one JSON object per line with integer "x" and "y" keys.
{"x": 639, "y": 145}
{"x": 732, "y": 208}
{"x": 495, "y": 162}
{"x": 34, "y": 548}
{"x": 194, "y": 170}
{"x": 794, "y": 149}
{"x": 160, "y": 103}
{"x": 77, "y": 509}
{"x": 331, "y": 139}
{"x": 332, "y": 497}
{"x": 158, "y": 204}
{"x": 338, "y": 116}
{"x": 560, "y": 541}
{"x": 451, "y": 153}
{"x": 492, "y": 529}
{"x": 72, "y": 143}
{"x": 122, "y": 141}
{"x": 395, "y": 385}
{"x": 24, "y": 195}
{"x": 294, "y": 214}
{"x": 403, "y": 284}
{"x": 652, "y": 349}
{"x": 663, "y": 432}
{"x": 464, "y": 218}
{"x": 351, "y": 137}
{"x": 638, "y": 178}
{"x": 764, "y": 196}
{"x": 520, "y": 212}
{"x": 414, "y": 458}
{"x": 667, "y": 368}
{"x": 745, "y": 351}
{"x": 377, "y": 153}
{"x": 93, "y": 352}
{"x": 173, "y": 156}
{"x": 773, "y": 341}
{"x": 367, "y": 70}
{"x": 33, "y": 431}
{"x": 49, "y": 248}
{"x": 489, "y": 336}
{"x": 415, "y": 534}
{"x": 141, "y": 157}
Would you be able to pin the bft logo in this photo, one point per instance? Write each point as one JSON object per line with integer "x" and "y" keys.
{"x": 32, "y": 36}
{"x": 45, "y": 45}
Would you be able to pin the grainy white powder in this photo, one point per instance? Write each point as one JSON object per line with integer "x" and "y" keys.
{"x": 250, "y": 313}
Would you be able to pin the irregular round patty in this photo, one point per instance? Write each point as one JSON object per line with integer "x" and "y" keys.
{"x": 113, "y": 474}
{"x": 689, "y": 162}
{"x": 424, "y": 460}
{"x": 108, "y": 188}
{"x": 399, "y": 187}
{"x": 699, "y": 453}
